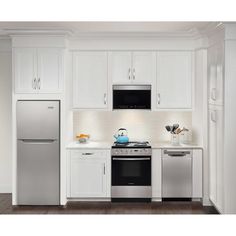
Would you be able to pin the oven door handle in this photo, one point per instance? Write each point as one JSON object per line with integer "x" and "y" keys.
{"x": 131, "y": 159}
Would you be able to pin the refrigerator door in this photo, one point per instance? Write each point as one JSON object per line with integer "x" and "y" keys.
{"x": 38, "y": 172}
{"x": 38, "y": 119}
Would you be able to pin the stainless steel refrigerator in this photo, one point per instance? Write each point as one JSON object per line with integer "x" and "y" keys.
{"x": 38, "y": 152}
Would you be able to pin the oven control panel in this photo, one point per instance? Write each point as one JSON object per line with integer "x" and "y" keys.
{"x": 131, "y": 151}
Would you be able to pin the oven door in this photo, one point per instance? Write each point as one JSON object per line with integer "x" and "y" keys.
{"x": 131, "y": 171}
{"x": 132, "y": 97}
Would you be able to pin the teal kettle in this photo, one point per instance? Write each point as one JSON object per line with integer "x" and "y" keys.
{"x": 121, "y": 136}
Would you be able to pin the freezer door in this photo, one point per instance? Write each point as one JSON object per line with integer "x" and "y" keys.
{"x": 38, "y": 172}
{"x": 38, "y": 119}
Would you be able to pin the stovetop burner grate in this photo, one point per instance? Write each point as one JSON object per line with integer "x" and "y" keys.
{"x": 131, "y": 144}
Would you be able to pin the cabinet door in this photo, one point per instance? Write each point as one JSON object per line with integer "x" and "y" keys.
{"x": 25, "y": 70}
{"x": 174, "y": 80}
{"x": 219, "y": 158}
{"x": 156, "y": 174}
{"x": 50, "y": 70}
{"x": 88, "y": 175}
{"x": 197, "y": 173}
{"x": 90, "y": 79}
{"x": 219, "y": 74}
{"x": 213, "y": 155}
{"x": 211, "y": 58}
{"x": 216, "y": 74}
{"x": 120, "y": 67}
{"x": 143, "y": 67}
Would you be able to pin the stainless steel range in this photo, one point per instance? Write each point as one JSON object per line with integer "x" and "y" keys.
{"x": 131, "y": 172}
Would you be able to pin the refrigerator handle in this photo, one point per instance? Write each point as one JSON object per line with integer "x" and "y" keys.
{"x": 38, "y": 141}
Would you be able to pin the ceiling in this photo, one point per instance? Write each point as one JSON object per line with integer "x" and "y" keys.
{"x": 79, "y": 28}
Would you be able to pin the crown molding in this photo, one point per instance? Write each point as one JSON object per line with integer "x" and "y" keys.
{"x": 34, "y": 32}
{"x": 212, "y": 29}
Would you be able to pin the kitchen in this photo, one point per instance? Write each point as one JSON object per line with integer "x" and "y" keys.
{"x": 72, "y": 92}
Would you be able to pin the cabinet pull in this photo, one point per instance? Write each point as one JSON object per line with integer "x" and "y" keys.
{"x": 105, "y": 98}
{"x": 133, "y": 73}
{"x": 129, "y": 73}
{"x": 39, "y": 83}
{"x": 213, "y": 94}
{"x": 34, "y": 83}
{"x": 213, "y": 116}
{"x": 87, "y": 153}
{"x": 104, "y": 169}
{"x": 158, "y": 98}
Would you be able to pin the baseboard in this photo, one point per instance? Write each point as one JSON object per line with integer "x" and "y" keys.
{"x": 156, "y": 199}
{"x": 88, "y": 200}
{"x": 206, "y": 202}
{"x": 5, "y": 189}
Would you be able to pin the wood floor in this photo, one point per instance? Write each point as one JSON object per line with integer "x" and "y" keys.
{"x": 107, "y": 208}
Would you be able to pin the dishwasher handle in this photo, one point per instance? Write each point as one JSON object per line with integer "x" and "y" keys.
{"x": 176, "y": 153}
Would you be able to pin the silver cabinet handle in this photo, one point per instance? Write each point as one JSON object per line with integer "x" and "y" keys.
{"x": 39, "y": 83}
{"x": 87, "y": 153}
{"x": 213, "y": 116}
{"x": 158, "y": 98}
{"x": 213, "y": 94}
{"x": 133, "y": 73}
{"x": 34, "y": 83}
{"x": 104, "y": 169}
{"x": 105, "y": 98}
{"x": 129, "y": 72}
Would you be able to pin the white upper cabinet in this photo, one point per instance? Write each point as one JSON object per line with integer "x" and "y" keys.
{"x": 90, "y": 80}
{"x": 136, "y": 67}
{"x": 216, "y": 74}
{"x": 50, "y": 69}
{"x": 38, "y": 70}
{"x": 120, "y": 67}
{"x": 174, "y": 80}
{"x": 25, "y": 70}
{"x": 143, "y": 67}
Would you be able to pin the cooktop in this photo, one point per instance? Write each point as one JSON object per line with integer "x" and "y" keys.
{"x": 131, "y": 145}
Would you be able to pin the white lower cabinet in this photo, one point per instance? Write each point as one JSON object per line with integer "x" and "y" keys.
{"x": 216, "y": 156}
{"x": 156, "y": 175}
{"x": 197, "y": 174}
{"x": 89, "y": 174}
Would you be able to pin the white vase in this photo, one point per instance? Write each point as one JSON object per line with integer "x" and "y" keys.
{"x": 175, "y": 139}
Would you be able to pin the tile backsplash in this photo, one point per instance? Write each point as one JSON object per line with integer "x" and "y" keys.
{"x": 141, "y": 125}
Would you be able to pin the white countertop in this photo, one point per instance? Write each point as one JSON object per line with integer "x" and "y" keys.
{"x": 169, "y": 145}
{"x": 89, "y": 145}
{"x": 107, "y": 145}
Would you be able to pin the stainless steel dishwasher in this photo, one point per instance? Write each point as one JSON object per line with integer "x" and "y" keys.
{"x": 177, "y": 173}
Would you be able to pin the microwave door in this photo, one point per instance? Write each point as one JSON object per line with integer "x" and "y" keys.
{"x": 131, "y": 98}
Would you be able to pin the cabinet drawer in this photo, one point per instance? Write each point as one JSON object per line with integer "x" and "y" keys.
{"x": 88, "y": 153}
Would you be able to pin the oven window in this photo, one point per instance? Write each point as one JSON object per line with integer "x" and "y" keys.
{"x": 131, "y": 99}
{"x": 128, "y": 172}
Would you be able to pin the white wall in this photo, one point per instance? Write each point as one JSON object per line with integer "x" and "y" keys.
{"x": 141, "y": 125}
{"x": 5, "y": 121}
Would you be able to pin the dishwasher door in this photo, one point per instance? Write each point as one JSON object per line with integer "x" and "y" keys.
{"x": 177, "y": 174}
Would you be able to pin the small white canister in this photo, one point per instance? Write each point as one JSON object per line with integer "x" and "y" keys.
{"x": 185, "y": 137}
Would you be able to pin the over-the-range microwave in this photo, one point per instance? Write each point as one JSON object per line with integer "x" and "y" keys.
{"x": 132, "y": 97}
